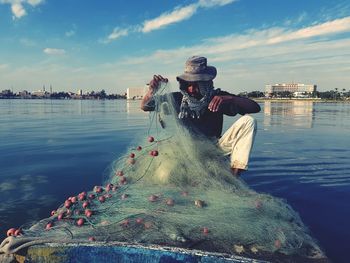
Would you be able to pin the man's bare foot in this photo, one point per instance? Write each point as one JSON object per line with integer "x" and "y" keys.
{"x": 236, "y": 171}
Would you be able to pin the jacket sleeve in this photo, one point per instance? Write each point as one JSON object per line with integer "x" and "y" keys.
{"x": 238, "y": 105}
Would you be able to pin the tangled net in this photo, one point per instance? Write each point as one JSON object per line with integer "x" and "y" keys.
{"x": 175, "y": 189}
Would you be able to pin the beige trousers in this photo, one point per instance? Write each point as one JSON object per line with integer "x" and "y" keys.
{"x": 238, "y": 141}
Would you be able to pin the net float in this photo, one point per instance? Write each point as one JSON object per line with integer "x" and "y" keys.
{"x": 205, "y": 230}
{"x": 11, "y": 232}
{"x": 199, "y": 203}
{"x": 49, "y": 225}
{"x": 131, "y": 161}
{"x": 107, "y": 196}
{"x": 18, "y": 232}
{"x": 53, "y": 212}
{"x": 152, "y": 198}
{"x": 86, "y": 204}
{"x": 98, "y": 189}
{"x": 124, "y": 196}
{"x": 74, "y": 199}
{"x": 92, "y": 196}
{"x": 122, "y": 180}
{"x": 60, "y": 216}
{"x": 154, "y": 153}
{"x": 258, "y": 204}
{"x": 148, "y": 225}
{"x": 170, "y": 202}
{"x": 92, "y": 239}
{"x": 88, "y": 213}
{"x": 109, "y": 187}
{"x": 67, "y": 204}
{"x": 132, "y": 155}
{"x": 139, "y": 148}
{"x": 120, "y": 173}
{"x": 102, "y": 199}
{"x": 278, "y": 243}
{"x": 125, "y": 223}
{"x": 150, "y": 139}
{"x": 82, "y": 196}
{"x": 80, "y": 222}
{"x": 139, "y": 220}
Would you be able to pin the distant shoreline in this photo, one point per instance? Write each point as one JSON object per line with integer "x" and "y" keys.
{"x": 303, "y": 99}
{"x": 256, "y": 99}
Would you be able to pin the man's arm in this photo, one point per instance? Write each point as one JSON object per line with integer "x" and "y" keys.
{"x": 237, "y": 104}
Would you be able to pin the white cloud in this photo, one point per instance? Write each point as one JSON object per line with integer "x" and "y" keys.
{"x": 70, "y": 33}
{"x": 212, "y": 3}
{"x": 35, "y": 2}
{"x": 177, "y": 15}
{"x": 17, "y": 6}
{"x": 54, "y": 51}
{"x": 117, "y": 33}
{"x": 327, "y": 28}
{"x": 18, "y": 10}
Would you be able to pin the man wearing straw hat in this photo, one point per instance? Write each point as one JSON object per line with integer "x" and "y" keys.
{"x": 201, "y": 108}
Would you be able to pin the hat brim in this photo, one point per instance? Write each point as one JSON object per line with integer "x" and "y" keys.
{"x": 208, "y": 74}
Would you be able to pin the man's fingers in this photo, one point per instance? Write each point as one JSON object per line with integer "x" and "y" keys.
{"x": 155, "y": 81}
{"x": 212, "y": 104}
{"x": 215, "y": 104}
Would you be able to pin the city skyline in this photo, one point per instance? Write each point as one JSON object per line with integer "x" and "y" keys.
{"x": 115, "y": 46}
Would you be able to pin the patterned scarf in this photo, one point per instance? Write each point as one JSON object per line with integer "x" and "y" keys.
{"x": 193, "y": 108}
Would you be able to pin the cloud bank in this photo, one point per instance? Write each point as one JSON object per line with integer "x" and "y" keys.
{"x": 314, "y": 54}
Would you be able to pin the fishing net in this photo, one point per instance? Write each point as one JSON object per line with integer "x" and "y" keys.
{"x": 175, "y": 188}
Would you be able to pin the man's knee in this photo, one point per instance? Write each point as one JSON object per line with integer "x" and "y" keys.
{"x": 247, "y": 121}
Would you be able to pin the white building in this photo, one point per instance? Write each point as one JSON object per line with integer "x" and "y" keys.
{"x": 136, "y": 93}
{"x": 290, "y": 87}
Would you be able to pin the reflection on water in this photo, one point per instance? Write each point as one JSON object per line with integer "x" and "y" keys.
{"x": 301, "y": 153}
{"x": 295, "y": 113}
{"x": 133, "y": 106}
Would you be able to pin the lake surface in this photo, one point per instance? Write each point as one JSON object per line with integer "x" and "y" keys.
{"x": 53, "y": 149}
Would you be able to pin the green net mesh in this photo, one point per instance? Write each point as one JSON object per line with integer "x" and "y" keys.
{"x": 174, "y": 188}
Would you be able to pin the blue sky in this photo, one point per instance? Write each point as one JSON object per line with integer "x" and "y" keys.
{"x": 113, "y": 45}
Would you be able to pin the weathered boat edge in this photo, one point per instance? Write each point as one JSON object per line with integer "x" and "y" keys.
{"x": 118, "y": 252}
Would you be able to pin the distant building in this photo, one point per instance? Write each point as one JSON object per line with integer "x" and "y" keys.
{"x": 135, "y": 93}
{"x": 41, "y": 93}
{"x": 24, "y": 94}
{"x": 6, "y": 92}
{"x": 80, "y": 92}
{"x": 296, "y": 88}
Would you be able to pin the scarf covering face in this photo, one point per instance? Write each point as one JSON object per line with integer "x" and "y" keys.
{"x": 193, "y": 108}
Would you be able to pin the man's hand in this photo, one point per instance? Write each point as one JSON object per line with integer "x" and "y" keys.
{"x": 153, "y": 86}
{"x": 154, "y": 83}
{"x": 217, "y": 101}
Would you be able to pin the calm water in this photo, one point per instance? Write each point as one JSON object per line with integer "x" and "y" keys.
{"x": 53, "y": 149}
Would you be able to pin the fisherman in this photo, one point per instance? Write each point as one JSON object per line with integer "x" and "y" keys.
{"x": 201, "y": 108}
